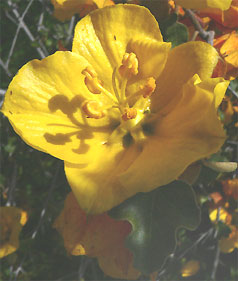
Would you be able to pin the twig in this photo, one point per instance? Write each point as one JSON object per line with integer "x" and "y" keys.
{"x": 28, "y": 32}
{"x": 39, "y": 25}
{"x": 52, "y": 187}
{"x": 2, "y": 92}
{"x": 5, "y": 68}
{"x": 233, "y": 92}
{"x": 17, "y": 32}
{"x": 203, "y": 236}
{"x": 12, "y": 186}
{"x": 206, "y": 35}
{"x": 217, "y": 253}
{"x": 70, "y": 30}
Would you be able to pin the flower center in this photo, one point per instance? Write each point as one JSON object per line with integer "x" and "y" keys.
{"x": 132, "y": 105}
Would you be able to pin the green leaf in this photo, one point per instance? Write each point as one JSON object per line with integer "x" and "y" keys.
{"x": 207, "y": 175}
{"x": 177, "y": 33}
{"x": 155, "y": 216}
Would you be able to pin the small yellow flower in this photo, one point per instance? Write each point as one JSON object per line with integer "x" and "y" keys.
{"x": 220, "y": 214}
{"x": 11, "y": 221}
{"x": 124, "y": 112}
{"x": 190, "y": 268}
{"x": 202, "y": 4}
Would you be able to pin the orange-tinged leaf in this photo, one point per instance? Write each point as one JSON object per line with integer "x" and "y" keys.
{"x": 228, "y": 244}
{"x": 227, "y": 109}
{"x": 229, "y": 49}
{"x": 226, "y": 18}
{"x": 217, "y": 199}
{"x": 219, "y": 41}
{"x": 97, "y": 236}
{"x": 230, "y": 188}
{"x": 65, "y": 9}
{"x": 11, "y": 221}
{"x": 221, "y": 69}
{"x": 202, "y": 4}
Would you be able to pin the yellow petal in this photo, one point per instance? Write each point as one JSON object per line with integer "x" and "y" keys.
{"x": 96, "y": 184}
{"x": 183, "y": 62}
{"x": 151, "y": 54}
{"x": 102, "y": 37}
{"x": 43, "y": 104}
{"x": 202, "y": 4}
{"x": 191, "y": 131}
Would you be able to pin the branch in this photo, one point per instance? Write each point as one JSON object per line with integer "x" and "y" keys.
{"x": 208, "y": 36}
{"x": 52, "y": 187}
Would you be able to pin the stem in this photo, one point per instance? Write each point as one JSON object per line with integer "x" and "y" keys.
{"x": 206, "y": 35}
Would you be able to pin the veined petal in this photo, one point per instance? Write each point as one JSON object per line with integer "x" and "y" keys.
{"x": 183, "y": 62}
{"x": 102, "y": 37}
{"x": 96, "y": 185}
{"x": 151, "y": 54}
{"x": 43, "y": 103}
{"x": 191, "y": 131}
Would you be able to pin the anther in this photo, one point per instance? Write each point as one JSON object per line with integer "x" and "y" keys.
{"x": 129, "y": 65}
{"x": 91, "y": 80}
{"x": 129, "y": 113}
{"x": 93, "y": 109}
{"x": 148, "y": 88}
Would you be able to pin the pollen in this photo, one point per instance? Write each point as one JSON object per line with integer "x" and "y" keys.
{"x": 91, "y": 80}
{"x": 129, "y": 113}
{"x": 93, "y": 109}
{"x": 148, "y": 88}
{"x": 129, "y": 65}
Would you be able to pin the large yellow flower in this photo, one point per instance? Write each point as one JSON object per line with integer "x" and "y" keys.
{"x": 124, "y": 112}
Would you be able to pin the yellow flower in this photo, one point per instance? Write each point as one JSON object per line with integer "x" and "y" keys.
{"x": 190, "y": 268}
{"x": 124, "y": 112}
{"x": 11, "y": 221}
{"x": 202, "y": 4}
{"x": 221, "y": 215}
{"x": 65, "y": 9}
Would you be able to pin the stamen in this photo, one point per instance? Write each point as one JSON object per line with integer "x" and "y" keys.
{"x": 129, "y": 113}
{"x": 129, "y": 65}
{"x": 93, "y": 109}
{"x": 145, "y": 90}
{"x": 91, "y": 80}
{"x": 148, "y": 88}
{"x": 94, "y": 84}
